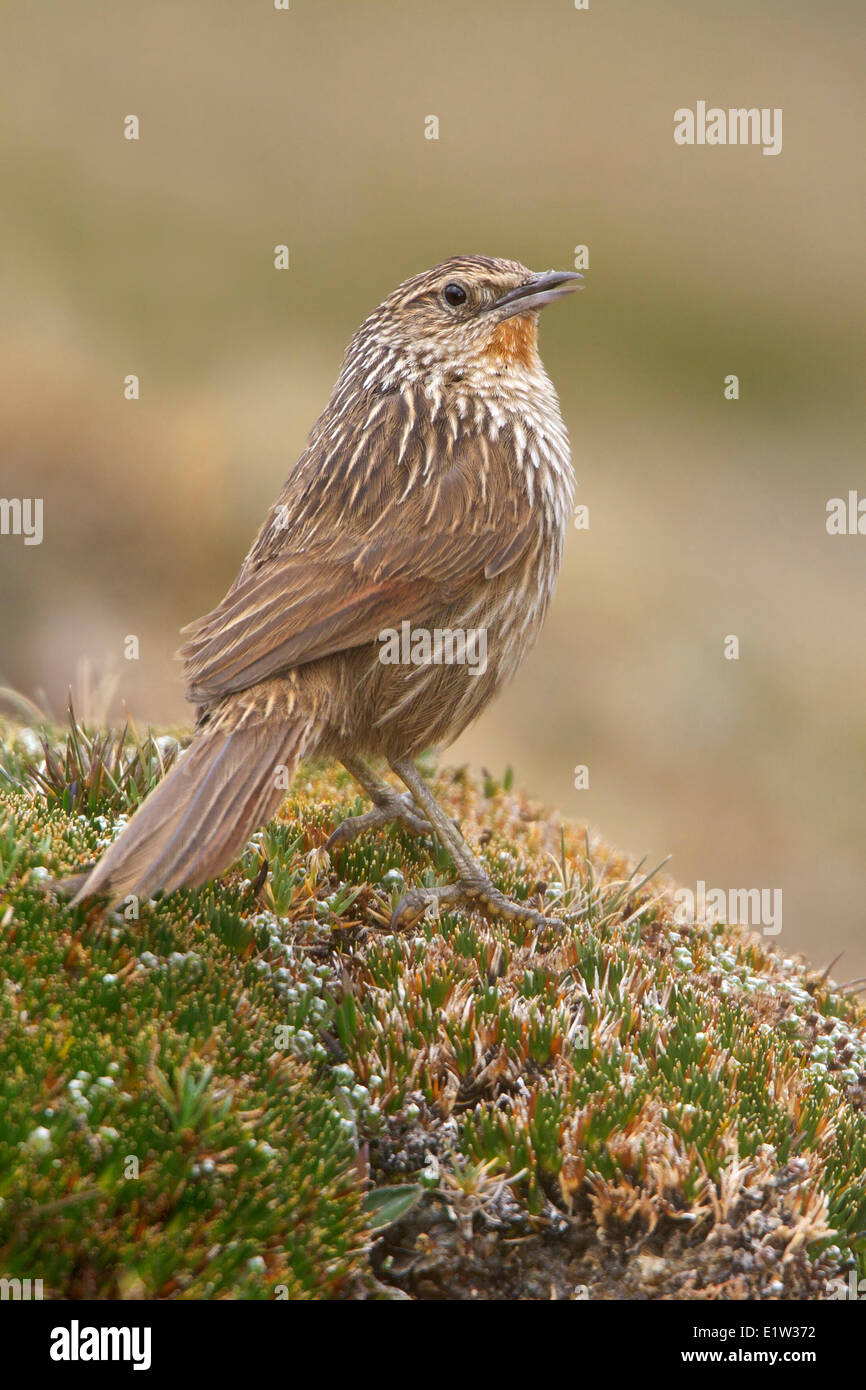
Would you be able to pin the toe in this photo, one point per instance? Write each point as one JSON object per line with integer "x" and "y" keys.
{"x": 409, "y": 910}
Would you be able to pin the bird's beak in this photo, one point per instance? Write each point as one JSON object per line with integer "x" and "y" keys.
{"x": 540, "y": 290}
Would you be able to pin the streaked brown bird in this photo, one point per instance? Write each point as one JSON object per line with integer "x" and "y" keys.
{"x": 435, "y": 491}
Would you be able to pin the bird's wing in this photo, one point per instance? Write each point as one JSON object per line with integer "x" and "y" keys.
{"x": 372, "y": 529}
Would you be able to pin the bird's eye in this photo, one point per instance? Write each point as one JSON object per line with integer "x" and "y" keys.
{"x": 454, "y": 295}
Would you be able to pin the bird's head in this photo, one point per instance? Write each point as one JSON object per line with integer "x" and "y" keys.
{"x": 466, "y": 312}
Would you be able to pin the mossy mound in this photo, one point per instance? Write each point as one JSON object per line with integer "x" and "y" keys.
{"x": 194, "y": 1101}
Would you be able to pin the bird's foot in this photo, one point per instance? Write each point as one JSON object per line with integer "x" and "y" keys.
{"x": 479, "y": 893}
{"x": 397, "y": 807}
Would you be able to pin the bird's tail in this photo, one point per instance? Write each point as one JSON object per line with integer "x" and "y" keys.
{"x": 199, "y": 818}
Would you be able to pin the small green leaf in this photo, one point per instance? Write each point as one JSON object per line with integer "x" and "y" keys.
{"x": 385, "y": 1205}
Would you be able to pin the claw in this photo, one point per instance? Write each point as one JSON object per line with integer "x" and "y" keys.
{"x": 479, "y": 894}
{"x": 410, "y": 909}
{"x": 473, "y": 890}
{"x": 348, "y": 829}
{"x": 399, "y": 808}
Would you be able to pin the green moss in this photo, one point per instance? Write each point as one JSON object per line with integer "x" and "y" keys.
{"x": 159, "y": 1134}
{"x": 193, "y": 1101}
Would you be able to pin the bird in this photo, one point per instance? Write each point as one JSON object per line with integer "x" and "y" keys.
{"x": 435, "y": 491}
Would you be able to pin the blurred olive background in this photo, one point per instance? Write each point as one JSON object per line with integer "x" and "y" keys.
{"x": 306, "y": 127}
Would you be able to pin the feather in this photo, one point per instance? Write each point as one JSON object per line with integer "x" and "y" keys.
{"x": 199, "y": 818}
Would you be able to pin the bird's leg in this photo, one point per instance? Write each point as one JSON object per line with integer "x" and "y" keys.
{"x": 473, "y": 888}
{"x": 388, "y": 806}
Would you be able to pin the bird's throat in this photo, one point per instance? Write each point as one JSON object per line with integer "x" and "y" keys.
{"x": 514, "y": 342}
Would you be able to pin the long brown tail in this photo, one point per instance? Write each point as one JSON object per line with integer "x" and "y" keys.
{"x": 197, "y": 821}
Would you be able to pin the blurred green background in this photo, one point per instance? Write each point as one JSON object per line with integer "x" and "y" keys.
{"x": 556, "y": 128}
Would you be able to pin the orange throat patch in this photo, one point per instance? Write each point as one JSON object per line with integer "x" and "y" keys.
{"x": 514, "y": 341}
